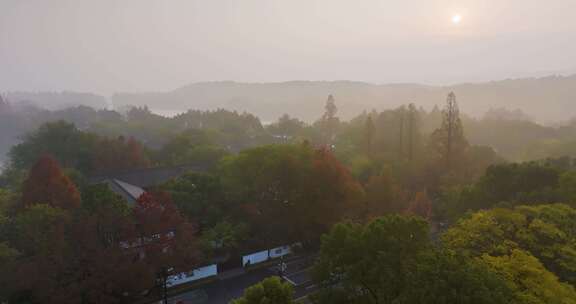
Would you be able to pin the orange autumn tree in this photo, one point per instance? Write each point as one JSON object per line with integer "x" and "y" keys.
{"x": 47, "y": 184}
{"x": 119, "y": 154}
{"x": 421, "y": 205}
{"x": 330, "y": 194}
{"x": 290, "y": 193}
{"x": 384, "y": 195}
{"x": 333, "y": 186}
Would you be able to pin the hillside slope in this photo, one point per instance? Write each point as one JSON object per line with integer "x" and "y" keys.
{"x": 546, "y": 99}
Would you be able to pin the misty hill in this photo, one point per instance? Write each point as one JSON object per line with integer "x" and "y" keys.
{"x": 545, "y": 99}
{"x": 56, "y": 100}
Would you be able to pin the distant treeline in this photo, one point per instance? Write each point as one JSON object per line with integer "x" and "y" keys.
{"x": 510, "y": 133}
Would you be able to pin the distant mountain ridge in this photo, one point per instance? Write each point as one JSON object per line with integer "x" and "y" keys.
{"x": 547, "y": 99}
{"x": 56, "y": 100}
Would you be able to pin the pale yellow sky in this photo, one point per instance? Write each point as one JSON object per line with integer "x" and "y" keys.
{"x": 141, "y": 45}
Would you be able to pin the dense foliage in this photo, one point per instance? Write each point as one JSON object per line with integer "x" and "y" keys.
{"x": 269, "y": 291}
{"x": 521, "y": 255}
{"x": 83, "y": 151}
{"x": 510, "y": 185}
{"x": 400, "y": 205}
{"x": 65, "y": 248}
{"x": 391, "y": 260}
{"x": 547, "y": 232}
{"x": 290, "y": 192}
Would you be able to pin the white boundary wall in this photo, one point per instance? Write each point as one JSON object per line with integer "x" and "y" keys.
{"x": 212, "y": 270}
{"x": 196, "y": 274}
{"x": 279, "y": 251}
{"x": 255, "y": 258}
{"x": 265, "y": 255}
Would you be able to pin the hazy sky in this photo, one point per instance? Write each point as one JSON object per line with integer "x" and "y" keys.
{"x": 147, "y": 45}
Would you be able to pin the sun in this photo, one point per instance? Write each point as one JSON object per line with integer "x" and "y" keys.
{"x": 456, "y": 19}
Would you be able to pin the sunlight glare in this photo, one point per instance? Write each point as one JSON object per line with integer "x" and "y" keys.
{"x": 456, "y": 19}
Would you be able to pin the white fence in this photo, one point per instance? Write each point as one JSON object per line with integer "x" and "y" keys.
{"x": 279, "y": 251}
{"x": 265, "y": 255}
{"x": 196, "y": 274}
{"x": 212, "y": 270}
{"x": 255, "y": 258}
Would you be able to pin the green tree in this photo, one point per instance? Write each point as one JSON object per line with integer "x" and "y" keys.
{"x": 83, "y": 151}
{"x": 7, "y": 202}
{"x": 444, "y": 277}
{"x": 39, "y": 231}
{"x": 270, "y": 291}
{"x": 368, "y": 140}
{"x": 225, "y": 235}
{"x": 362, "y": 167}
{"x": 448, "y": 143}
{"x": 546, "y": 231}
{"x": 8, "y": 257}
{"x": 401, "y": 132}
{"x": 567, "y": 187}
{"x": 198, "y": 196}
{"x": 99, "y": 198}
{"x": 455, "y": 201}
{"x": 529, "y": 280}
{"x": 265, "y": 184}
{"x": 62, "y": 140}
{"x": 369, "y": 263}
{"x": 193, "y": 146}
{"x": 391, "y": 260}
{"x": 287, "y": 127}
{"x": 520, "y": 183}
{"x": 505, "y": 185}
{"x": 413, "y": 131}
{"x": 329, "y": 121}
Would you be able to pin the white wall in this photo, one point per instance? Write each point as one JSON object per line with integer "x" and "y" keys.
{"x": 254, "y": 258}
{"x": 196, "y": 274}
{"x": 279, "y": 251}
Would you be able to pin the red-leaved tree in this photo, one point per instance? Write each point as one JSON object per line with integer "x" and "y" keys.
{"x": 107, "y": 272}
{"x": 167, "y": 241}
{"x": 330, "y": 195}
{"x": 47, "y": 184}
{"x": 119, "y": 154}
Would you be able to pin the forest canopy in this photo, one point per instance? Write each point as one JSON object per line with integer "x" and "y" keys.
{"x": 397, "y": 206}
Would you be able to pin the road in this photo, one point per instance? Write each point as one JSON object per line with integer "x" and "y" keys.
{"x": 223, "y": 291}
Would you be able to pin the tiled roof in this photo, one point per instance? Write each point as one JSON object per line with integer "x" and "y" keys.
{"x": 148, "y": 176}
{"x": 129, "y": 192}
{"x": 134, "y": 191}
